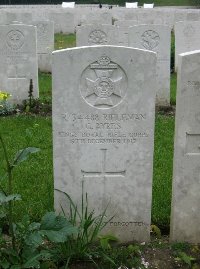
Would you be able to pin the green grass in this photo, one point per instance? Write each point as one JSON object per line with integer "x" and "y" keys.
{"x": 162, "y": 177}
{"x": 33, "y": 179}
{"x": 45, "y": 86}
{"x": 63, "y": 41}
{"x": 173, "y": 89}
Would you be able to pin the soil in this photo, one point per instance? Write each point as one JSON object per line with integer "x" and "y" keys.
{"x": 160, "y": 254}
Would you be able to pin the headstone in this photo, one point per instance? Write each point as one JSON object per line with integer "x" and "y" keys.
{"x": 68, "y": 4}
{"x": 103, "y": 122}
{"x": 131, "y": 5}
{"x": 185, "y": 217}
{"x": 123, "y": 28}
{"x": 45, "y": 44}
{"x": 3, "y": 17}
{"x": 97, "y": 17}
{"x": 156, "y": 38}
{"x": 125, "y": 23}
{"x": 18, "y": 61}
{"x": 96, "y": 34}
{"x": 148, "y": 5}
{"x": 24, "y": 17}
{"x": 64, "y": 22}
{"x": 187, "y": 38}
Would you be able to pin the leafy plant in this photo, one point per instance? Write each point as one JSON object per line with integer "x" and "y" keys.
{"x": 85, "y": 245}
{"x": 6, "y": 107}
{"x": 26, "y": 245}
{"x": 183, "y": 257}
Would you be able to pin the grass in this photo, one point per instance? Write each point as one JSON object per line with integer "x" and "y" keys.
{"x": 173, "y": 89}
{"x": 162, "y": 177}
{"x": 64, "y": 41}
{"x": 34, "y": 178}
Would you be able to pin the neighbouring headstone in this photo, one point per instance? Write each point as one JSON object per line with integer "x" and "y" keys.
{"x": 23, "y": 17}
{"x": 122, "y": 27}
{"x": 64, "y": 21}
{"x": 96, "y": 34}
{"x": 45, "y": 44}
{"x": 95, "y": 17}
{"x": 187, "y": 38}
{"x": 103, "y": 128}
{"x": 125, "y": 23}
{"x": 156, "y": 38}
{"x": 185, "y": 211}
{"x": 18, "y": 61}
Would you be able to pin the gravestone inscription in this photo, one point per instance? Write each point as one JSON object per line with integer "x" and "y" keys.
{"x": 18, "y": 60}
{"x": 103, "y": 128}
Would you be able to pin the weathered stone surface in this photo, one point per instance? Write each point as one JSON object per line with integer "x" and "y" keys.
{"x": 95, "y": 17}
{"x": 122, "y": 27}
{"x": 96, "y": 34}
{"x": 103, "y": 129}
{"x": 45, "y": 44}
{"x": 24, "y": 17}
{"x": 187, "y": 38}
{"x": 185, "y": 217}
{"x": 126, "y": 23}
{"x": 64, "y": 21}
{"x": 18, "y": 60}
{"x": 156, "y": 38}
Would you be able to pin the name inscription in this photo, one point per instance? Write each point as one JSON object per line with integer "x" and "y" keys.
{"x": 103, "y": 128}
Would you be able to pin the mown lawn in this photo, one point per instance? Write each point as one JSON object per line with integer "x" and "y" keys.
{"x": 34, "y": 178}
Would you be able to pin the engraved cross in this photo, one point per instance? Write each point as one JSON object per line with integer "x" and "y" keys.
{"x": 103, "y": 173}
{"x": 17, "y": 77}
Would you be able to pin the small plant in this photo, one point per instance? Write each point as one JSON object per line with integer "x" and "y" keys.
{"x": 27, "y": 245}
{"x": 85, "y": 245}
{"x": 6, "y": 107}
{"x": 185, "y": 258}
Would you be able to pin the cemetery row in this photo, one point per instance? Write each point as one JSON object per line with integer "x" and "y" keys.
{"x": 27, "y": 48}
{"x": 66, "y": 19}
{"x": 103, "y": 123}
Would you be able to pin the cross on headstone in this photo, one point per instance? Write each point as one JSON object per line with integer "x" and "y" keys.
{"x": 17, "y": 78}
{"x": 103, "y": 173}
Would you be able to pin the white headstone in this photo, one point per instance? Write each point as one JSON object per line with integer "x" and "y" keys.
{"x": 18, "y": 61}
{"x": 131, "y": 5}
{"x": 96, "y": 34}
{"x": 45, "y": 44}
{"x": 103, "y": 122}
{"x": 64, "y": 22}
{"x": 123, "y": 28}
{"x": 148, "y": 5}
{"x": 156, "y": 38}
{"x": 187, "y": 38}
{"x": 125, "y": 23}
{"x": 96, "y": 17}
{"x": 24, "y": 17}
{"x": 68, "y": 4}
{"x": 185, "y": 214}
